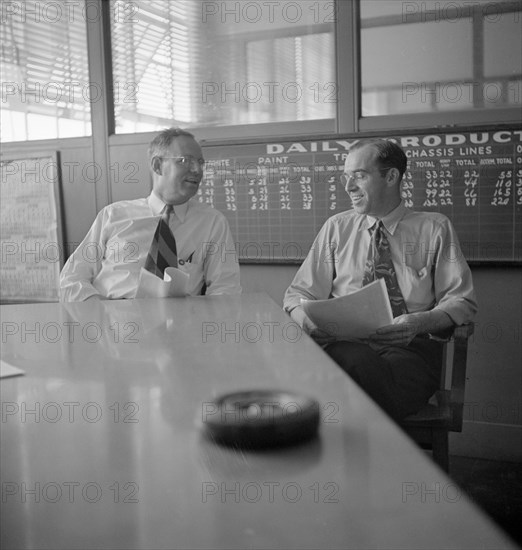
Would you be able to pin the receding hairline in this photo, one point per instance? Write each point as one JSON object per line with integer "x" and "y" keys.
{"x": 393, "y": 153}
{"x": 166, "y": 138}
{"x": 366, "y": 146}
{"x": 363, "y": 143}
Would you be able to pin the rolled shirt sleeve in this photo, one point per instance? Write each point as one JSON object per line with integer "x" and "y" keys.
{"x": 313, "y": 280}
{"x": 452, "y": 280}
{"x": 221, "y": 266}
{"x": 82, "y": 266}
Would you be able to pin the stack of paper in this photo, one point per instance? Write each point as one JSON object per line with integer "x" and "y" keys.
{"x": 354, "y": 316}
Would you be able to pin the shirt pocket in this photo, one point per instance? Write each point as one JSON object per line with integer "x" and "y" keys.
{"x": 417, "y": 288}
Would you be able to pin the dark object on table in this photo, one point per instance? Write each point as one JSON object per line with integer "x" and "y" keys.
{"x": 262, "y": 419}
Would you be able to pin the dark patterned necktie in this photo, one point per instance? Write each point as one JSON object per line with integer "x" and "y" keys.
{"x": 163, "y": 252}
{"x": 379, "y": 265}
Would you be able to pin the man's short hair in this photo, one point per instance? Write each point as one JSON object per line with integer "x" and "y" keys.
{"x": 389, "y": 154}
{"x": 160, "y": 145}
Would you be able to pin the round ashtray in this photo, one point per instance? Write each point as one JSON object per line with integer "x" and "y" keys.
{"x": 261, "y": 419}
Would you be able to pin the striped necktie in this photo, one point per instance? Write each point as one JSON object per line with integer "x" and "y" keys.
{"x": 379, "y": 265}
{"x": 163, "y": 252}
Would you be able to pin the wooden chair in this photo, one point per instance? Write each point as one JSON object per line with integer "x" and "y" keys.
{"x": 430, "y": 427}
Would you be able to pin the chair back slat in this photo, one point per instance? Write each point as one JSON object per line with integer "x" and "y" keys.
{"x": 458, "y": 376}
{"x": 430, "y": 426}
{"x": 447, "y": 364}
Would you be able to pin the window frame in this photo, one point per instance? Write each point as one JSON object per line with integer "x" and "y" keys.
{"x": 242, "y": 131}
{"x": 348, "y": 118}
{"x": 457, "y": 118}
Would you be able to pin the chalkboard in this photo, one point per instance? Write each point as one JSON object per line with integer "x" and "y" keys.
{"x": 31, "y": 228}
{"x": 276, "y": 194}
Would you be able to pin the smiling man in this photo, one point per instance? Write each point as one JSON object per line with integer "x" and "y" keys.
{"x": 418, "y": 255}
{"x": 107, "y": 263}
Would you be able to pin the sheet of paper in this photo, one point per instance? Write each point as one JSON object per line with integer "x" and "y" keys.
{"x": 354, "y": 316}
{"x": 7, "y": 370}
{"x": 174, "y": 283}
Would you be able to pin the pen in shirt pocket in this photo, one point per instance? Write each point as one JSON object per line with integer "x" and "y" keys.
{"x": 187, "y": 261}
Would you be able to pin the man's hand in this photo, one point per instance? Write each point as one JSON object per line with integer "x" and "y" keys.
{"x": 320, "y": 336}
{"x": 400, "y": 333}
{"x": 405, "y": 327}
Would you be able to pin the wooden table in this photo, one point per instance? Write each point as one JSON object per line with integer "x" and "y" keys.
{"x": 102, "y": 443}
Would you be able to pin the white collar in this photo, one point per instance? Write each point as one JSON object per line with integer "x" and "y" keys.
{"x": 157, "y": 205}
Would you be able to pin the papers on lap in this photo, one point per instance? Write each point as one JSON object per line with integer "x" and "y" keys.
{"x": 354, "y": 316}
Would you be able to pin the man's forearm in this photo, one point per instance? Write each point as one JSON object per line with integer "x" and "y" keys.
{"x": 298, "y": 315}
{"x": 79, "y": 292}
{"x": 433, "y": 321}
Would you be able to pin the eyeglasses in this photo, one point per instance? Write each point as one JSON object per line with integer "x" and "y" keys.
{"x": 359, "y": 176}
{"x": 187, "y": 161}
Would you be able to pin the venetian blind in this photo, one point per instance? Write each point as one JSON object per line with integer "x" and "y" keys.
{"x": 175, "y": 64}
{"x": 45, "y": 78}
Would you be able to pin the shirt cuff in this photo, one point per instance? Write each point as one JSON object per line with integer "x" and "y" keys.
{"x": 458, "y": 313}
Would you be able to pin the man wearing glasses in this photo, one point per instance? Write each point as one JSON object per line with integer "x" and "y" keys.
{"x": 417, "y": 253}
{"x": 107, "y": 264}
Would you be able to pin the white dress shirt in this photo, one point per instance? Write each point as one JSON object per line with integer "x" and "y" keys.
{"x": 431, "y": 270}
{"x": 108, "y": 261}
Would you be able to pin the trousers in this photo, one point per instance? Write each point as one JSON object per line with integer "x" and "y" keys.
{"x": 399, "y": 379}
